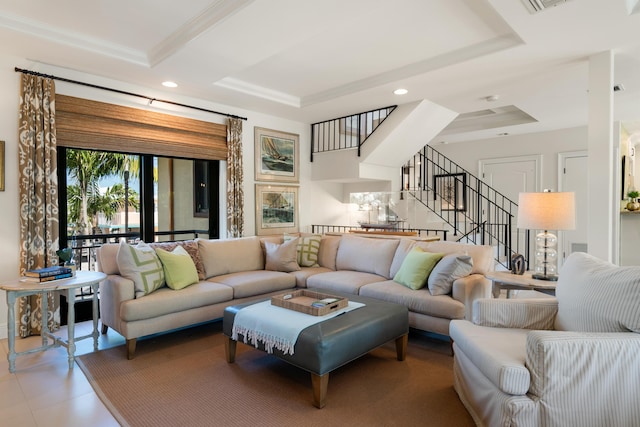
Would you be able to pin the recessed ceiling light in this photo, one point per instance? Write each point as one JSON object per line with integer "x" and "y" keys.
{"x": 169, "y": 84}
{"x": 492, "y": 98}
{"x": 401, "y": 91}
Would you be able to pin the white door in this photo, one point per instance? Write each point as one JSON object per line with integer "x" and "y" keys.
{"x": 511, "y": 176}
{"x": 572, "y": 176}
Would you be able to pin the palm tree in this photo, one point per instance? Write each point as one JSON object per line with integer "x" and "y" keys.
{"x": 84, "y": 200}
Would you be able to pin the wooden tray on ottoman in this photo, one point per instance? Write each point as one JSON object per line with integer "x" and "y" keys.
{"x": 302, "y": 300}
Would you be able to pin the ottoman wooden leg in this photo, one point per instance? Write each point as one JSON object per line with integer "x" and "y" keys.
{"x": 320, "y": 384}
{"x": 230, "y": 350}
{"x": 401, "y": 347}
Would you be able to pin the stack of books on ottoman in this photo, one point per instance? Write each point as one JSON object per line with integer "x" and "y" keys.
{"x": 47, "y": 274}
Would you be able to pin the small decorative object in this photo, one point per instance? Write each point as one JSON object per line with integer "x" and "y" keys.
{"x": 517, "y": 264}
{"x": 66, "y": 255}
{"x": 633, "y": 204}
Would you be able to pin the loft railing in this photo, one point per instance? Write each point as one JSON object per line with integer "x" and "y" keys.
{"x": 346, "y": 132}
{"x": 476, "y": 212}
{"x": 419, "y": 232}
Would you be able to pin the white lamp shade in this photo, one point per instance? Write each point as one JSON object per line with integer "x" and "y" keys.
{"x": 547, "y": 211}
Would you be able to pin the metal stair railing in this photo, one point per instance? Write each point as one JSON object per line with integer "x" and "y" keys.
{"x": 476, "y": 212}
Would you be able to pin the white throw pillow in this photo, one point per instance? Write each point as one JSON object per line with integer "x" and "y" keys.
{"x": 141, "y": 265}
{"x": 450, "y": 268}
{"x": 282, "y": 257}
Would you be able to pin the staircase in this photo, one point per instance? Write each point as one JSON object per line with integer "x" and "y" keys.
{"x": 476, "y": 212}
{"x": 441, "y": 189}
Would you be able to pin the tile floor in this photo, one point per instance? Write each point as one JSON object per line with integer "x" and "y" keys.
{"x": 45, "y": 392}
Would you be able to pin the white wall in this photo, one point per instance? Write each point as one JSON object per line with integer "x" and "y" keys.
{"x": 9, "y": 220}
{"x": 546, "y": 144}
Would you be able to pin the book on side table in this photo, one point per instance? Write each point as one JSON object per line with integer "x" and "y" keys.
{"x": 47, "y": 274}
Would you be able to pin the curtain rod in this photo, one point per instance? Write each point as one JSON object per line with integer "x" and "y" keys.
{"x": 62, "y": 79}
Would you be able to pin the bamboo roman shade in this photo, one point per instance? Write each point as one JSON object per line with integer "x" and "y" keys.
{"x": 81, "y": 123}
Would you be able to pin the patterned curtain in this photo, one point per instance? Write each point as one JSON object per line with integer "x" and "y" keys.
{"x": 38, "y": 183}
{"x": 235, "y": 180}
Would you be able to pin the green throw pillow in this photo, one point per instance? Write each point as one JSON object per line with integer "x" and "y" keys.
{"x": 416, "y": 267}
{"x": 179, "y": 269}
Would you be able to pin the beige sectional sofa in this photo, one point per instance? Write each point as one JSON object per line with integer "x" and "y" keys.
{"x": 233, "y": 271}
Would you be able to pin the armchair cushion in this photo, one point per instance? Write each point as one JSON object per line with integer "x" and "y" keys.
{"x": 585, "y": 379}
{"x": 533, "y": 313}
{"x": 597, "y": 296}
{"x": 499, "y": 353}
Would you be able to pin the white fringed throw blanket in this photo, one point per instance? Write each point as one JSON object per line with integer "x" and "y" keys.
{"x": 277, "y": 326}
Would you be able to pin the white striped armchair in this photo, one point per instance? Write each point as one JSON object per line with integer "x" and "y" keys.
{"x": 573, "y": 360}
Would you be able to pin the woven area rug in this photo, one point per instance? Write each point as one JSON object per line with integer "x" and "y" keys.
{"x": 182, "y": 379}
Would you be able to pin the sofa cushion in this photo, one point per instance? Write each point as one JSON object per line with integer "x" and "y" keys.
{"x": 482, "y": 255}
{"x": 257, "y": 282}
{"x": 179, "y": 269}
{"x": 597, "y": 296}
{"x": 107, "y": 258}
{"x": 499, "y": 353}
{"x": 416, "y": 267}
{"x": 230, "y": 256}
{"x": 307, "y": 249}
{"x": 328, "y": 251}
{"x": 446, "y": 271}
{"x": 420, "y": 301}
{"x": 305, "y": 272}
{"x": 368, "y": 255}
{"x": 342, "y": 281}
{"x": 166, "y": 301}
{"x": 141, "y": 265}
{"x": 191, "y": 246}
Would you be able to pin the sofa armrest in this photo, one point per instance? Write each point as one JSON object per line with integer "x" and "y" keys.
{"x": 470, "y": 288}
{"x": 585, "y": 378}
{"x": 114, "y": 290}
{"x": 531, "y": 313}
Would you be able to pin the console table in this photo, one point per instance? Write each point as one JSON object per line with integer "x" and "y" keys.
{"x": 19, "y": 288}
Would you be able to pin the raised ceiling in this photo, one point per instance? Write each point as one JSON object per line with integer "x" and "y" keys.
{"x": 311, "y": 60}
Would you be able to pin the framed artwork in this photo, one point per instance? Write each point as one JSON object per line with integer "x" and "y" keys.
{"x": 451, "y": 189}
{"x": 277, "y": 155}
{"x": 276, "y": 209}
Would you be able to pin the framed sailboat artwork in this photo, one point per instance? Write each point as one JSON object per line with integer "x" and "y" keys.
{"x": 277, "y": 155}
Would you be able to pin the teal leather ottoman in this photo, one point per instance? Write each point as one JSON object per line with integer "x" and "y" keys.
{"x": 327, "y": 345}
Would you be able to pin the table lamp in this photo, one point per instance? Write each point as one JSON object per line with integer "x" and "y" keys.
{"x": 546, "y": 211}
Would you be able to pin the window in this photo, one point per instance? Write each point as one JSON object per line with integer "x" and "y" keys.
{"x": 106, "y": 196}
